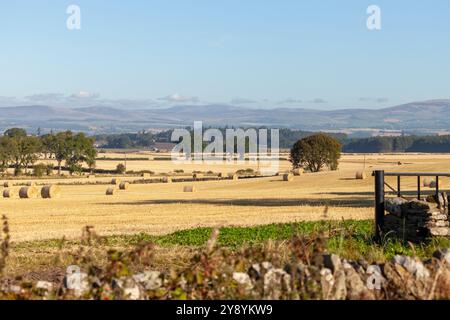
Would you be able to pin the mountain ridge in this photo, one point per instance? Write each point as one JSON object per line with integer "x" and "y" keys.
{"x": 422, "y": 115}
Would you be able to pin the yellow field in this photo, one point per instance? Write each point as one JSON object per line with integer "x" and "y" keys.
{"x": 164, "y": 208}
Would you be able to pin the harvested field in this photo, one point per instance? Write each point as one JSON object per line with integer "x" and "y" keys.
{"x": 160, "y": 208}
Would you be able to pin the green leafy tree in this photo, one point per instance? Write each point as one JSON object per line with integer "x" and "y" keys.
{"x": 39, "y": 169}
{"x": 120, "y": 169}
{"x": 49, "y": 169}
{"x": 15, "y": 133}
{"x": 18, "y": 171}
{"x": 75, "y": 168}
{"x": 23, "y": 150}
{"x": 60, "y": 146}
{"x": 80, "y": 148}
{"x": 315, "y": 152}
{"x": 6, "y": 153}
{"x": 48, "y": 145}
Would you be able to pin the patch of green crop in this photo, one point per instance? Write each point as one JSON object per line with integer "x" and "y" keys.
{"x": 350, "y": 239}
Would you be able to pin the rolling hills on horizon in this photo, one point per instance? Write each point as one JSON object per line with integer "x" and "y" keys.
{"x": 431, "y": 115}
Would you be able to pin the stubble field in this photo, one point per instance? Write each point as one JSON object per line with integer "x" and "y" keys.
{"x": 159, "y": 208}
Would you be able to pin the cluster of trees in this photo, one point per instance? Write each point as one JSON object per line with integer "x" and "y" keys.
{"x": 289, "y": 137}
{"x": 399, "y": 144}
{"x": 147, "y": 139}
{"x": 20, "y": 151}
{"x": 132, "y": 140}
{"x": 127, "y": 140}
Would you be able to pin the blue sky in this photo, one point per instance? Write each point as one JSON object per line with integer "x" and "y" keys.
{"x": 254, "y": 53}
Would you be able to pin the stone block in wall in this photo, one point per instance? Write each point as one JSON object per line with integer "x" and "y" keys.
{"x": 441, "y": 232}
{"x": 415, "y": 220}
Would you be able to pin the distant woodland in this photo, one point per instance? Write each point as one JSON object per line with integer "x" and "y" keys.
{"x": 288, "y": 137}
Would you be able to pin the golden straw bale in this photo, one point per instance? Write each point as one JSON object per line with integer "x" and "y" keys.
{"x": 197, "y": 176}
{"x": 115, "y": 181}
{"x": 124, "y": 185}
{"x": 10, "y": 193}
{"x": 360, "y": 175}
{"x": 189, "y": 189}
{"x": 167, "y": 180}
{"x": 50, "y": 192}
{"x": 28, "y": 192}
{"x": 233, "y": 176}
{"x": 426, "y": 182}
{"x": 111, "y": 191}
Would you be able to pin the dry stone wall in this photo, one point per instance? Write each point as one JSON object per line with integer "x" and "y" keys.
{"x": 417, "y": 220}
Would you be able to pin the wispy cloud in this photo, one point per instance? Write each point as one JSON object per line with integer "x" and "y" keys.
{"x": 59, "y": 99}
{"x": 376, "y": 100}
{"x": 9, "y": 101}
{"x": 242, "y": 101}
{"x": 318, "y": 101}
{"x": 45, "y": 97}
{"x": 290, "y": 102}
{"x": 80, "y": 99}
{"x": 179, "y": 98}
{"x": 85, "y": 95}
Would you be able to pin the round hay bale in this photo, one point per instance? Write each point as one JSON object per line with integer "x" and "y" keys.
{"x": 10, "y": 193}
{"x": 7, "y": 184}
{"x": 111, "y": 191}
{"x": 288, "y": 177}
{"x": 28, "y": 192}
{"x": 189, "y": 189}
{"x": 31, "y": 183}
{"x": 233, "y": 176}
{"x": 360, "y": 175}
{"x": 167, "y": 180}
{"x": 91, "y": 176}
{"x": 297, "y": 171}
{"x": 432, "y": 184}
{"x": 124, "y": 185}
{"x": 115, "y": 181}
{"x": 197, "y": 176}
{"x": 50, "y": 192}
{"x": 426, "y": 182}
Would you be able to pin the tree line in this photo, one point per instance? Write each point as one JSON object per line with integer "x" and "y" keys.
{"x": 144, "y": 139}
{"x": 289, "y": 137}
{"x": 399, "y": 144}
{"x": 21, "y": 151}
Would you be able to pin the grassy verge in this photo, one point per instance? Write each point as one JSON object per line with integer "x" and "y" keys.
{"x": 200, "y": 264}
{"x": 351, "y": 239}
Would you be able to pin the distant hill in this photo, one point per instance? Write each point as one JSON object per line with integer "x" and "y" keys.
{"x": 425, "y": 115}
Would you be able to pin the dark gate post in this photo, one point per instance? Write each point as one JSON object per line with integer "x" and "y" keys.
{"x": 437, "y": 186}
{"x": 379, "y": 203}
